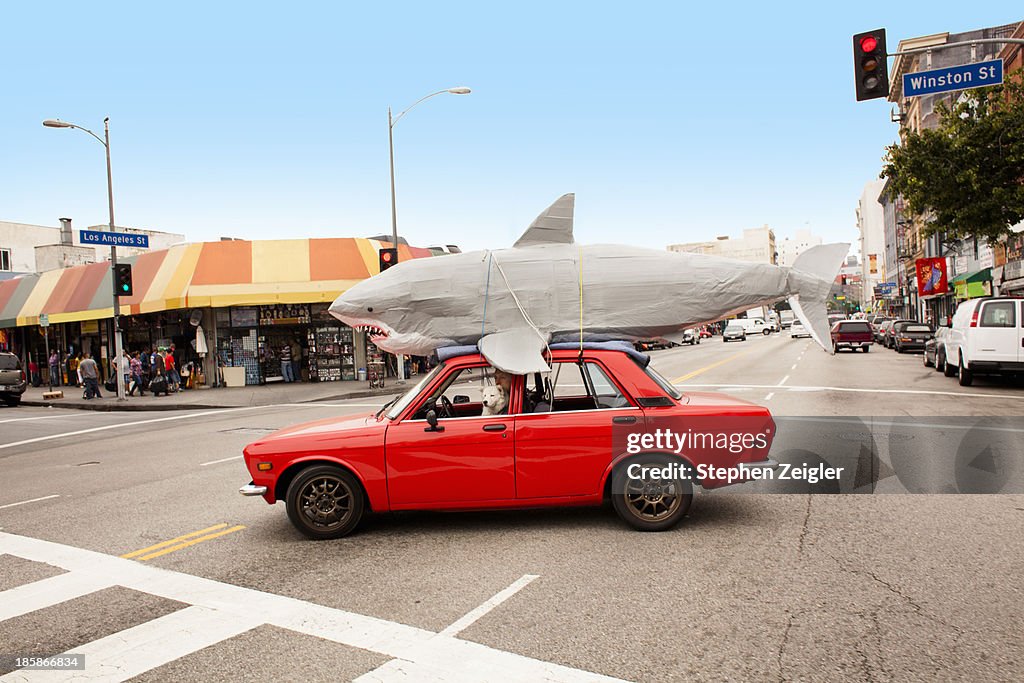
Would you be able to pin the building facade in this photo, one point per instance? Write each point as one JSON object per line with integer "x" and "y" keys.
{"x": 756, "y": 245}
{"x": 871, "y": 229}
{"x": 791, "y": 247}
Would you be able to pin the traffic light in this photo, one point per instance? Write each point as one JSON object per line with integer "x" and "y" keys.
{"x": 870, "y": 67}
{"x": 388, "y": 258}
{"x": 123, "y": 279}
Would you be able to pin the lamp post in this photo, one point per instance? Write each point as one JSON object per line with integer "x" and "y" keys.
{"x": 391, "y": 156}
{"x": 118, "y": 350}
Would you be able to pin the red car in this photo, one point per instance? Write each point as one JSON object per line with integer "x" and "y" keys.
{"x": 556, "y": 442}
{"x": 852, "y": 334}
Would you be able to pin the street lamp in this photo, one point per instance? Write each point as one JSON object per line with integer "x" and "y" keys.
{"x": 105, "y": 141}
{"x": 461, "y": 90}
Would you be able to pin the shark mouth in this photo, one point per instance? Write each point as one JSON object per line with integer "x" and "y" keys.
{"x": 376, "y": 332}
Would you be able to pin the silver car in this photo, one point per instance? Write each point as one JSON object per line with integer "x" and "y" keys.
{"x": 12, "y": 379}
{"x": 734, "y": 331}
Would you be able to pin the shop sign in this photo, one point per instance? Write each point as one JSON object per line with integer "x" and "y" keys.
{"x": 244, "y": 316}
{"x": 90, "y": 327}
{"x": 932, "y": 278}
{"x": 284, "y": 314}
{"x": 1014, "y": 247}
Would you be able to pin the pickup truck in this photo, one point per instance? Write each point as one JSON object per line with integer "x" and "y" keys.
{"x": 852, "y": 334}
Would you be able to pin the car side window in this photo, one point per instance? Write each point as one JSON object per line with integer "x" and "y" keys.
{"x": 608, "y": 395}
{"x": 576, "y": 386}
{"x": 462, "y": 395}
{"x": 999, "y": 314}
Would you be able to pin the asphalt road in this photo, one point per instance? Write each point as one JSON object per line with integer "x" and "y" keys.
{"x": 754, "y": 587}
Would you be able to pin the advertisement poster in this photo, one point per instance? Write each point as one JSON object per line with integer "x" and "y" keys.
{"x": 873, "y": 259}
{"x": 931, "y": 276}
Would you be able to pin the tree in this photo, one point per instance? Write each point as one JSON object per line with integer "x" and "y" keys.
{"x": 967, "y": 175}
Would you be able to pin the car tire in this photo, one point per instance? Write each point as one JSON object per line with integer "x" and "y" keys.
{"x": 927, "y": 363}
{"x": 866, "y": 348}
{"x": 899, "y": 348}
{"x": 835, "y": 348}
{"x": 947, "y": 369}
{"x": 766, "y": 332}
{"x": 314, "y": 496}
{"x": 12, "y": 401}
{"x": 940, "y": 362}
{"x": 964, "y": 375}
{"x": 650, "y": 504}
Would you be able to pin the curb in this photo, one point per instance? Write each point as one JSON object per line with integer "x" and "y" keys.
{"x": 109, "y": 406}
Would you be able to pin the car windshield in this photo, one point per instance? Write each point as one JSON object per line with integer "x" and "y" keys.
{"x": 733, "y": 327}
{"x": 401, "y": 404}
{"x": 663, "y": 383}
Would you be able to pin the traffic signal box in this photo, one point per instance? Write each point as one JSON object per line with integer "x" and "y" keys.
{"x": 123, "y": 279}
{"x": 870, "y": 66}
{"x": 388, "y": 258}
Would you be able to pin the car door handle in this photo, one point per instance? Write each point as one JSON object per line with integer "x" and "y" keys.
{"x": 624, "y": 420}
{"x": 494, "y": 428}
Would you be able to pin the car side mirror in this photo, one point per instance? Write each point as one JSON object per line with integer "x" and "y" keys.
{"x": 460, "y": 398}
{"x": 432, "y": 421}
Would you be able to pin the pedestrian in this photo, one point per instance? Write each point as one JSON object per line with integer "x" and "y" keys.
{"x": 55, "y": 369}
{"x": 296, "y": 361}
{"x": 135, "y": 367}
{"x": 33, "y": 372}
{"x": 146, "y": 368}
{"x": 73, "y": 370}
{"x": 170, "y": 369}
{"x": 90, "y": 375}
{"x": 285, "y": 356}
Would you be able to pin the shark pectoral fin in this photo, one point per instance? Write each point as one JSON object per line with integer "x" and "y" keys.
{"x": 518, "y": 351}
{"x": 552, "y": 226}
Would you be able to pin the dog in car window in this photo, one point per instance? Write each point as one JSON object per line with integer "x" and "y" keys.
{"x": 495, "y": 400}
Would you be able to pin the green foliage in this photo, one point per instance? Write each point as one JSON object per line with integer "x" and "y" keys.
{"x": 967, "y": 175}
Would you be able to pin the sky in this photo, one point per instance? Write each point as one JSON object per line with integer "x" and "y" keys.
{"x": 672, "y": 122}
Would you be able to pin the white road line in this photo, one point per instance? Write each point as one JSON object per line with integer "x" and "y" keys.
{"x": 1001, "y": 397}
{"x": 872, "y": 422}
{"x": 424, "y": 655}
{"x": 42, "y": 417}
{"x": 783, "y": 380}
{"x": 793, "y": 367}
{"x": 49, "y": 592}
{"x": 769, "y": 396}
{"x": 33, "y": 500}
{"x": 498, "y": 598}
{"x": 129, "y": 653}
{"x": 91, "y": 430}
{"x": 214, "y": 462}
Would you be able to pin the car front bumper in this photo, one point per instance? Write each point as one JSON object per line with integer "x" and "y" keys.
{"x": 251, "y": 489}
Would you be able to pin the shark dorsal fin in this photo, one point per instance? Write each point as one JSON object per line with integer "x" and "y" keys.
{"x": 553, "y": 225}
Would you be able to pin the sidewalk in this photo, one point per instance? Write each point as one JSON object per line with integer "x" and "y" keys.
{"x": 194, "y": 399}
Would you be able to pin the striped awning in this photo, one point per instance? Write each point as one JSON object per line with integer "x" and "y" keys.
{"x": 218, "y": 274}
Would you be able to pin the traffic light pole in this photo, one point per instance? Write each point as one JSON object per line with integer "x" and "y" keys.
{"x": 118, "y": 348}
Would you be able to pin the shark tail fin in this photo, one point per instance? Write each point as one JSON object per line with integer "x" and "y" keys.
{"x": 810, "y": 280}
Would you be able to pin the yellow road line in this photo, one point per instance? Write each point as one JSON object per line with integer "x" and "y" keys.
{"x": 186, "y": 544}
{"x": 179, "y": 539}
{"x": 704, "y": 369}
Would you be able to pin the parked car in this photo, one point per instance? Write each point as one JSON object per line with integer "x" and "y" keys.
{"x": 705, "y": 333}
{"x": 891, "y": 328}
{"x": 734, "y": 331}
{"x": 550, "y": 449}
{"x": 911, "y": 336}
{"x": 797, "y": 329}
{"x": 13, "y": 380}
{"x": 880, "y": 328}
{"x": 851, "y": 334}
{"x": 786, "y": 318}
{"x": 935, "y": 350}
{"x": 651, "y": 344}
{"x": 691, "y": 336}
{"x": 986, "y": 338}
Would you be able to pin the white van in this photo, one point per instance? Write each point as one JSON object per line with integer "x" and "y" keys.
{"x": 986, "y": 338}
{"x": 754, "y": 325}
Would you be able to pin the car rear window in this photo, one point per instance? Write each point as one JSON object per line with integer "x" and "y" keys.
{"x": 917, "y": 328}
{"x": 10, "y": 363}
{"x": 854, "y": 326}
{"x": 999, "y": 314}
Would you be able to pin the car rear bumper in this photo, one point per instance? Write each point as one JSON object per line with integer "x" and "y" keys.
{"x": 18, "y": 389}
{"x": 251, "y": 489}
{"x": 995, "y": 366}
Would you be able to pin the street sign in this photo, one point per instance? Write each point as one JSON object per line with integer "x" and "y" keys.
{"x": 44, "y": 320}
{"x": 953, "y": 78}
{"x": 113, "y": 239}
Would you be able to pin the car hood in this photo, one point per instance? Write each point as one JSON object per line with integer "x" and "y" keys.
{"x": 308, "y": 434}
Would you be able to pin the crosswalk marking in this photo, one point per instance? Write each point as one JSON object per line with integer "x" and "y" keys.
{"x": 419, "y": 654}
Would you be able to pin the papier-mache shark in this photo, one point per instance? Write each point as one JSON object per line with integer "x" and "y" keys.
{"x": 513, "y": 302}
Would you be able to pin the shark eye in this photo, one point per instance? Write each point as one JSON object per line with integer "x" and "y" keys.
{"x": 369, "y": 309}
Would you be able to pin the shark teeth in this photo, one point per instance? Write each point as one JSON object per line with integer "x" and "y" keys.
{"x": 374, "y": 331}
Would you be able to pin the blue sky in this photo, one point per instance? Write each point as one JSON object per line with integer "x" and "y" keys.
{"x": 671, "y": 123}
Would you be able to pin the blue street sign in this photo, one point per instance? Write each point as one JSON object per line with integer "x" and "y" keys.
{"x": 953, "y": 78}
{"x": 113, "y": 239}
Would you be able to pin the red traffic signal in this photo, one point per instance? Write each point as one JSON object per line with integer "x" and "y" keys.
{"x": 870, "y": 67}
{"x": 388, "y": 257}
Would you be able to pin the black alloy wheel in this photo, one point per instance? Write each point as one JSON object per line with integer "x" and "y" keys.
{"x": 325, "y": 502}
{"x": 649, "y": 503}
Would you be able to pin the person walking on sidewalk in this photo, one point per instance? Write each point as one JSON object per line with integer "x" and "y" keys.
{"x": 135, "y": 367}
{"x": 173, "y": 378}
{"x": 91, "y": 376}
{"x": 286, "y": 362}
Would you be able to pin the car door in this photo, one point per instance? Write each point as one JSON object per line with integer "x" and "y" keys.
{"x": 996, "y": 336}
{"x": 470, "y": 459}
{"x": 564, "y": 448}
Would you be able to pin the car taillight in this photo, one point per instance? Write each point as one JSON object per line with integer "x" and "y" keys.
{"x": 974, "y": 317}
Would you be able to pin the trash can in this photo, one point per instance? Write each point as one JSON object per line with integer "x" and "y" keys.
{"x": 361, "y": 374}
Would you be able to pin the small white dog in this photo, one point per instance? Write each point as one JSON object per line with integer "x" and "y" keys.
{"x": 494, "y": 400}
